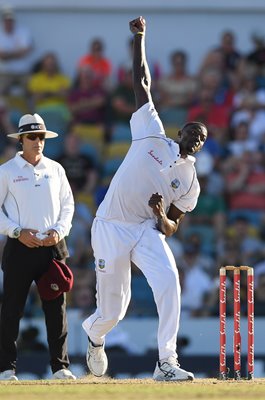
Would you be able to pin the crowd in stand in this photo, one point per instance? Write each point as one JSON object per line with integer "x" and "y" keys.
{"x": 91, "y": 113}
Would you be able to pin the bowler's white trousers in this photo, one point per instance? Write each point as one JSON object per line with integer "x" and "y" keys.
{"x": 115, "y": 245}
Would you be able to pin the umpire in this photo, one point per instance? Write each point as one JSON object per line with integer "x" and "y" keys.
{"x": 36, "y": 211}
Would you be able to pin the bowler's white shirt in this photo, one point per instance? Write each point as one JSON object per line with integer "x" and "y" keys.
{"x": 152, "y": 164}
{"x": 35, "y": 197}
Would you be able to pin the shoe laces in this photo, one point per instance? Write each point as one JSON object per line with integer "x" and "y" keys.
{"x": 96, "y": 352}
{"x": 171, "y": 361}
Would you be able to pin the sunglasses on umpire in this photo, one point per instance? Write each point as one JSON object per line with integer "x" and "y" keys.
{"x": 34, "y": 136}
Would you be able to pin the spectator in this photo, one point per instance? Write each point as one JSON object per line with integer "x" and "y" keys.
{"x": 257, "y": 56}
{"x": 194, "y": 278}
{"x": 209, "y": 216}
{"x": 49, "y": 87}
{"x": 240, "y": 141}
{"x": 231, "y": 55}
{"x": 122, "y": 99}
{"x": 16, "y": 46}
{"x": 214, "y": 60}
{"x": 246, "y": 237}
{"x": 245, "y": 186}
{"x": 80, "y": 168}
{"x": 249, "y": 106}
{"x": 86, "y": 100}
{"x": 213, "y": 80}
{"x": 176, "y": 91}
{"x": 215, "y": 116}
{"x": 98, "y": 63}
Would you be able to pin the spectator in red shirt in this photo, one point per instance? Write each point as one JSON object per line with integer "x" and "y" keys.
{"x": 245, "y": 185}
{"x": 98, "y": 63}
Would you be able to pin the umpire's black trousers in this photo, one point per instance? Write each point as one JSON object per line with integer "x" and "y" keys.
{"x": 21, "y": 266}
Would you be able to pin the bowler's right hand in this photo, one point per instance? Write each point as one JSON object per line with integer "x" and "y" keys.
{"x": 138, "y": 25}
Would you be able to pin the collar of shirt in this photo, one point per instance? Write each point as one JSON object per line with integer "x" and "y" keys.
{"x": 21, "y": 162}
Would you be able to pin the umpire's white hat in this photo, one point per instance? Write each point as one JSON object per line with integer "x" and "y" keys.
{"x": 32, "y": 124}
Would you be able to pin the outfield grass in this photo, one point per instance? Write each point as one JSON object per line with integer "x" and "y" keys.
{"x": 138, "y": 389}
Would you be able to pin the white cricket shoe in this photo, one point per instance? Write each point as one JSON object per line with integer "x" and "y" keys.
{"x": 63, "y": 374}
{"x": 8, "y": 375}
{"x": 96, "y": 359}
{"x": 168, "y": 369}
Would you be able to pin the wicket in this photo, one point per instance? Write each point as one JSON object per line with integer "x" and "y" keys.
{"x": 223, "y": 371}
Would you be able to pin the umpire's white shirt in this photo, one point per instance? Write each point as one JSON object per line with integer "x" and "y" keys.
{"x": 152, "y": 164}
{"x": 35, "y": 197}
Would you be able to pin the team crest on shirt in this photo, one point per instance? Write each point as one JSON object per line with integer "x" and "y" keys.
{"x": 175, "y": 183}
{"x": 101, "y": 263}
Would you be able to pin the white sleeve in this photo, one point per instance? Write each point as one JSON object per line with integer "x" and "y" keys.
{"x": 64, "y": 223}
{"x": 188, "y": 201}
{"x": 145, "y": 122}
{"x": 7, "y": 226}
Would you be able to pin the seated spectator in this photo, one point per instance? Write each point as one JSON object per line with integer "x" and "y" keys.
{"x": 215, "y": 60}
{"x": 245, "y": 186}
{"x": 16, "y": 46}
{"x": 214, "y": 81}
{"x": 210, "y": 211}
{"x": 194, "y": 280}
{"x": 211, "y": 304}
{"x": 193, "y": 255}
{"x": 229, "y": 252}
{"x": 247, "y": 239}
{"x": 249, "y": 106}
{"x": 80, "y": 168}
{"x": 122, "y": 99}
{"x": 49, "y": 87}
{"x": 256, "y": 57}
{"x": 214, "y": 116}
{"x": 176, "y": 91}
{"x": 240, "y": 141}
{"x": 97, "y": 62}
{"x": 231, "y": 54}
{"x": 87, "y": 101}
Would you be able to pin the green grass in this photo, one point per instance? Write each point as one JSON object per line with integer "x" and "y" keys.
{"x": 138, "y": 389}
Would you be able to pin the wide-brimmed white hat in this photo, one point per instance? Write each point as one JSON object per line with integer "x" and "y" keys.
{"x": 32, "y": 124}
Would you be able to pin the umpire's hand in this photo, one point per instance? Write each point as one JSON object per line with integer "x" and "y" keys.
{"x": 51, "y": 239}
{"x": 29, "y": 239}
